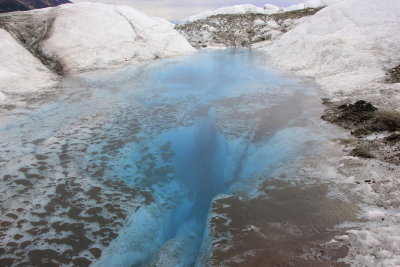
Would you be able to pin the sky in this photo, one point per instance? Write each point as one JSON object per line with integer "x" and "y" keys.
{"x": 180, "y": 9}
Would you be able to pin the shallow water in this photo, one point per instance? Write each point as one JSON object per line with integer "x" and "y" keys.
{"x": 181, "y": 131}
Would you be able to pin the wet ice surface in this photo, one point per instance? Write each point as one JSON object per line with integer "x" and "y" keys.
{"x": 121, "y": 167}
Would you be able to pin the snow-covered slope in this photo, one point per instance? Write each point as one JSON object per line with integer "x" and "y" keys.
{"x": 79, "y": 37}
{"x": 237, "y": 9}
{"x": 19, "y": 69}
{"x": 89, "y": 36}
{"x": 346, "y": 44}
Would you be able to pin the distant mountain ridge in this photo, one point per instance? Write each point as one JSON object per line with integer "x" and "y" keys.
{"x": 23, "y": 5}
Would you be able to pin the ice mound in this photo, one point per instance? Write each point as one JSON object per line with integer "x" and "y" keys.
{"x": 79, "y": 37}
{"x": 20, "y": 70}
{"x": 90, "y": 36}
{"x": 344, "y": 45}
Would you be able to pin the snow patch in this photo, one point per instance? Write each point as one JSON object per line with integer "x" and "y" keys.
{"x": 271, "y": 9}
{"x": 237, "y": 9}
{"x": 375, "y": 214}
{"x": 375, "y": 247}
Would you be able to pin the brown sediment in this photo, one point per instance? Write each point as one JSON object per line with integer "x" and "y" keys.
{"x": 79, "y": 234}
{"x": 289, "y": 228}
{"x": 81, "y": 216}
{"x": 362, "y": 118}
{"x": 393, "y": 75}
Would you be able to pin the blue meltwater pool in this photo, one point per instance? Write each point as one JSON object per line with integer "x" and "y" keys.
{"x": 180, "y": 132}
{"x": 208, "y": 124}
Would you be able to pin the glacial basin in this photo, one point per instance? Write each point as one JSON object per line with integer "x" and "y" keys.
{"x": 122, "y": 167}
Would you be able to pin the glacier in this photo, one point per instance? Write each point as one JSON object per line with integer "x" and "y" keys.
{"x": 20, "y": 71}
{"x": 344, "y": 46}
{"x": 347, "y": 47}
{"x": 36, "y": 46}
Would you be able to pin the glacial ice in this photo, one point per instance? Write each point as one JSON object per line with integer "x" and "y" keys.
{"x": 20, "y": 71}
{"x": 80, "y": 37}
{"x": 92, "y": 35}
{"x": 347, "y": 44}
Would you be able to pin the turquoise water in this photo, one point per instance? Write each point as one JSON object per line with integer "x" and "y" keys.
{"x": 222, "y": 119}
{"x": 185, "y": 129}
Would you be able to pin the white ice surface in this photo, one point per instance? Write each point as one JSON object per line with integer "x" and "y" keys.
{"x": 310, "y": 4}
{"x": 375, "y": 247}
{"x": 347, "y": 44}
{"x": 2, "y": 97}
{"x": 271, "y": 9}
{"x": 92, "y": 35}
{"x": 86, "y": 36}
{"x": 20, "y": 71}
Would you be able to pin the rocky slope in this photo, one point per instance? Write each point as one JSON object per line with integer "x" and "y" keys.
{"x": 23, "y": 5}
{"x": 80, "y": 37}
{"x": 240, "y": 30}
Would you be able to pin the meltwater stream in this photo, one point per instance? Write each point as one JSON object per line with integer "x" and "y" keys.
{"x": 184, "y": 130}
